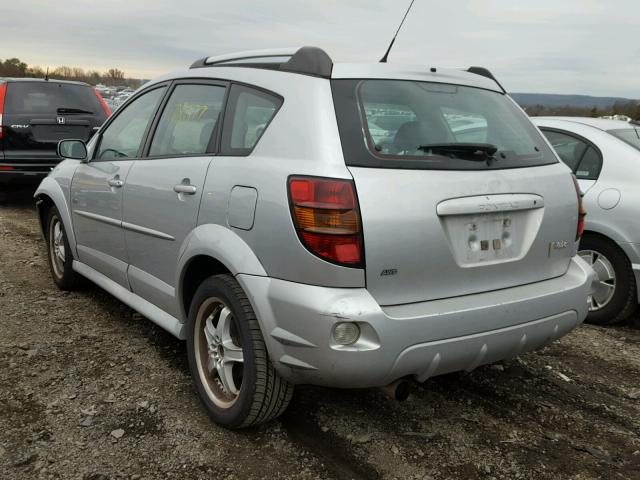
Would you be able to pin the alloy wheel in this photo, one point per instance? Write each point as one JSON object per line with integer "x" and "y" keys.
{"x": 219, "y": 355}
{"x": 606, "y": 285}
{"x": 57, "y": 249}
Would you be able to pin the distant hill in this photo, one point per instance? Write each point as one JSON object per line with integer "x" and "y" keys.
{"x": 579, "y": 101}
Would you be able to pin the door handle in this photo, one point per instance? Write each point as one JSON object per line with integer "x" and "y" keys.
{"x": 116, "y": 182}
{"x": 185, "y": 188}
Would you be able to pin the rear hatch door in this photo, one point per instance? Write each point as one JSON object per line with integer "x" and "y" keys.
{"x": 431, "y": 235}
{"x": 458, "y": 191}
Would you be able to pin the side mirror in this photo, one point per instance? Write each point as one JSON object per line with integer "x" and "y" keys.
{"x": 74, "y": 149}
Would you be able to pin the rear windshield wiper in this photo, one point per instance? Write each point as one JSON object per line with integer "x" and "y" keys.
{"x": 72, "y": 110}
{"x": 480, "y": 152}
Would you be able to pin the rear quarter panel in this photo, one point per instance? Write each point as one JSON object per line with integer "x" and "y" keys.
{"x": 302, "y": 139}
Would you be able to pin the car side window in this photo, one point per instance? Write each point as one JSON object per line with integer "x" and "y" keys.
{"x": 249, "y": 112}
{"x": 188, "y": 121}
{"x": 124, "y": 135}
{"x": 590, "y": 165}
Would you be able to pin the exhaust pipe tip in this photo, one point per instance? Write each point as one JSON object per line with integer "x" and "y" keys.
{"x": 398, "y": 390}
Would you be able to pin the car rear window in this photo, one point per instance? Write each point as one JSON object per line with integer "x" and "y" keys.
{"x": 48, "y": 97}
{"x": 425, "y": 125}
{"x": 628, "y": 135}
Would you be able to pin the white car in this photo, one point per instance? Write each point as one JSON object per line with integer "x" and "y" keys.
{"x": 605, "y": 157}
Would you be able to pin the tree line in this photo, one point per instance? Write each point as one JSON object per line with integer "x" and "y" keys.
{"x": 630, "y": 109}
{"x": 14, "y": 67}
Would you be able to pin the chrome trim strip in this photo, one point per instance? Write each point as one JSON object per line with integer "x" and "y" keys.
{"x": 99, "y": 218}
{"x": 146, "y": 231}
{"x": 494, "y": 203}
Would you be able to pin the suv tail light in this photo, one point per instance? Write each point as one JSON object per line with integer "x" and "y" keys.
{"x": 581, "y": 211}
{"x": 105, "y": 107}
{"x": 3, "y": 92}
{"x": 326, "y": 216}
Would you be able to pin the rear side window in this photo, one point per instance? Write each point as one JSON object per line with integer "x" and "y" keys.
{"x": 188, "y": 121}
{"x": 424, "y": 125}
{"x": 579, "y": 155}
{"x": 50, "y": 98}
{"x": 122, "y": 138}
{"x": 569, "y": 148}
{"x": 249, "y": 112}
{"x": 590, "y": 165}
{"x": 628, "y": 135}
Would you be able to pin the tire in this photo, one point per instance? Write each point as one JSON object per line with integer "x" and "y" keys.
{"x": 222, "y": 327}
{"x": 613, "y": 268}
{"x": 59, "y": 253}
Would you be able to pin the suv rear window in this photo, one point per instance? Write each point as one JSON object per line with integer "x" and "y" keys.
{"x": 48, "y": 97}
{"x": 424, "y": 125}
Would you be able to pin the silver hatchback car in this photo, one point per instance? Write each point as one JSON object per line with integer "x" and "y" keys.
{"x": 304, "y": 222}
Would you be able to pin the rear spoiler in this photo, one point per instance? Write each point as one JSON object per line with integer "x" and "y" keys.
{"x": 484, "y": 72}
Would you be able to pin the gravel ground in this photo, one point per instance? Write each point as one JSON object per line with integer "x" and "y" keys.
{"x": 91, "y": 390}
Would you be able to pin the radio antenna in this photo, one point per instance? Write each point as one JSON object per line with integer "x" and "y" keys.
{"x": 384, "y": 59}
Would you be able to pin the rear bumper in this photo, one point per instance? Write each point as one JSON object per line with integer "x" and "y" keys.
{"x": 18, "y": 179}
{"x": 25, "y": 173}
{"x": 423, "y": 339}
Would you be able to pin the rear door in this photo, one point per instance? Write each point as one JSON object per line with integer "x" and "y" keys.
{"x": 458, "y": 192}
{"x": 38, "y": 114}
{"x": 163, "y": 190}
{"x": 97, "y": 187}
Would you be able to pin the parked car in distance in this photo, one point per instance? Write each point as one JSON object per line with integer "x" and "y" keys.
{"x": 245, "y": 206}
{"x": 34, "y": 115}
{"x": 605, "y": 157}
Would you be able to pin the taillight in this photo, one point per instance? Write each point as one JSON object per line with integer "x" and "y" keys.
{"x": 105, "y": 107}
{"x": 3, "y": 92}
{"x": 581, "y": 211}
{"x": 326, "y": 216}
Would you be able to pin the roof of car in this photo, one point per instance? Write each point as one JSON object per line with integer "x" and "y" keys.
{"x": 316, "y": 62}
{"x": 412, "y": 72}
{"x": 29, "y": 79}
{"x": 599, "y": 123}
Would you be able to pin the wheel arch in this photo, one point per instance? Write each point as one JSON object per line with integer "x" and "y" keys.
{"x": 212, "y": 250}
{"x": 605, "y": 229}
{"x": 49, "y": 194}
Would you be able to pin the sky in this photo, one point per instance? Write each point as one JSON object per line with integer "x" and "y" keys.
{"x": 589, "y": 47}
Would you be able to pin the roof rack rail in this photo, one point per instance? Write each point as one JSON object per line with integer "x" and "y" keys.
{"x": 305, "y": 60}
{"x": 484, "y": 72}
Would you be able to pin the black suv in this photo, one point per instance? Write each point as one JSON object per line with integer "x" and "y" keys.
{"x": 34, "y": 115}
